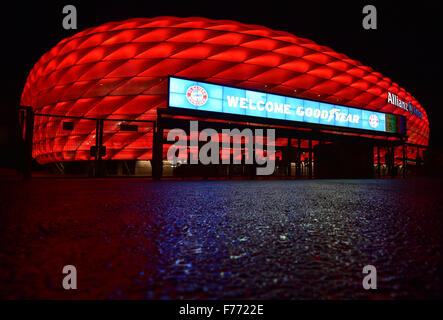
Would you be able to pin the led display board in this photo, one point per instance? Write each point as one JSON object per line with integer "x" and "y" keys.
{"x": 203, "y": 96}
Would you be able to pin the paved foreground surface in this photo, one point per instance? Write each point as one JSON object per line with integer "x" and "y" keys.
{"x": 132, "y": 239}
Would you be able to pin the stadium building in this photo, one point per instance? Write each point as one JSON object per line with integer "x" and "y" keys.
{"x": 103, "y": 101}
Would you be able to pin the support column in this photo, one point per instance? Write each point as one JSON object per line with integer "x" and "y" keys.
{"x": 204, "y": 170}
{"x": 99, "y": 149}
{"x": 378, "y": 162}
{"x": 231, "y": 158}
{"x": 392, "y": 161}
{"x": 404, "y": 160}
{"x": 29, "y": 134}
{"x": 288, "y": 158}
{"x": 157, "y": 151}
{"x": 253, "y": 166}
{"x": 310, "y": 159}
{"x": 298, "y": 163}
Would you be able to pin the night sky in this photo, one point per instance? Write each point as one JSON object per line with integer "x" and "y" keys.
{"x": 405, "y": 47}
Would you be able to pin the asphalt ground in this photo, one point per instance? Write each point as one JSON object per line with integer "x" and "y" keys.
{"x": 135, "y": 239}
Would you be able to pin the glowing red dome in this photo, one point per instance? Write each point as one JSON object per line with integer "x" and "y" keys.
{"x": 120, "y": 70}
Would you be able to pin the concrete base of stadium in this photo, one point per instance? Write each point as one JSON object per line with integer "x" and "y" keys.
{"x": 329, "y": 164}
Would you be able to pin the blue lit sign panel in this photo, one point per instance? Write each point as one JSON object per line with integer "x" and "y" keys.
{"x": 195, "y": 95}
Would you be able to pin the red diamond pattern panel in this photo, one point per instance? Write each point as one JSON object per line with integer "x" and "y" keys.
{"x": 119, "y": 70}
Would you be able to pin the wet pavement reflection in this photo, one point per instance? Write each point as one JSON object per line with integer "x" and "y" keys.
{"x": 134, "y": 239}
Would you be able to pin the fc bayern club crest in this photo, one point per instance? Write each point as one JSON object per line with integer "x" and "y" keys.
{"x": 373, "y": 120}
{"x": 197, "y": 95}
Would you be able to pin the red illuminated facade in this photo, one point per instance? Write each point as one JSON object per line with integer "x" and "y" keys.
{"x": 120, "y": 71}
